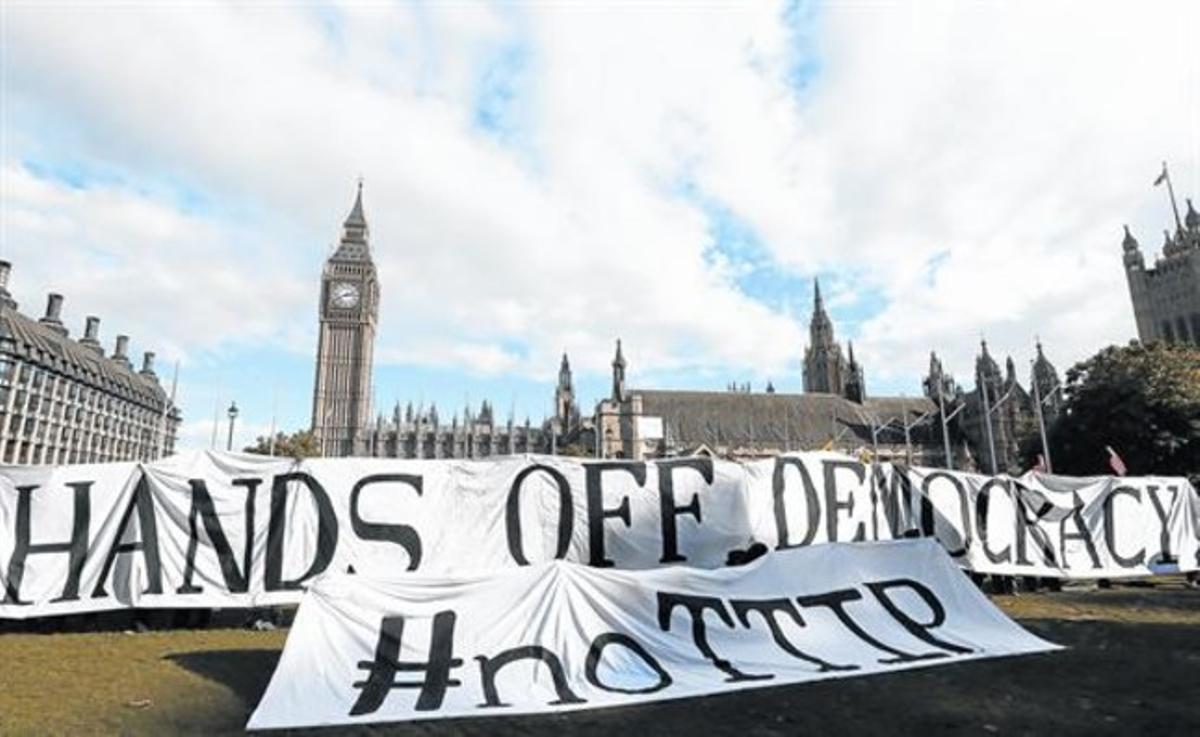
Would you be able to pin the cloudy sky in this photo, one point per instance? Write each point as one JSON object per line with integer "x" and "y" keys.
{"x": 548, "y": 176}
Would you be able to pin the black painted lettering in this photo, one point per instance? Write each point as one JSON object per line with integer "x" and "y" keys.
{"x": 203, "y": 510}
{"x": 928, "y": 512}
{"x": 836, "y": 602}
{"x": 1163, "y": 512}
{"x": 490, "y": 667}
{"x": 382, "y": 670}
{"x": 327, "y": 531}
{"x": 982, "y": 504}
{"x": 512, "y": 513}
{"x": 146, "y": 544}
{"x": 597, "y": 512}
{"x": 1031, "y": 507}
{"x": 1081, "y": 534}
{"x": 1110, "y": 528}
{"x": 400, "y": 534}
{"x": 921, "y": 630}
{"x": 812, "y": 504}
{"x": 834, "y": 504}
{"x": 669, "y": 509}
{"x": 768, "y": 609}
{"x": 76, "y": 548}
{"x": 596, "y": 653}
{"x": 696, "y": 606}
{"x": 895, "y": 493}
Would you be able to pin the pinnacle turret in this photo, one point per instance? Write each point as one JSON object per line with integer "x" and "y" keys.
{"x": 355, "y": 233}
{"x": 618, "y": 365}
{"x": 1129, "y": 243}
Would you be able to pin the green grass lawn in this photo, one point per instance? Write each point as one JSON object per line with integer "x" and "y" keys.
{"x": 1131, "y": 666}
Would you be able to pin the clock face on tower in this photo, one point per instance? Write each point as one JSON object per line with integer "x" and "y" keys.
{"x": 343, "y": 294}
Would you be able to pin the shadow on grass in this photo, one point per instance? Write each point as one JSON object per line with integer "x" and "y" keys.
{"x": 1113, "y": 678}
{"x": 245, "y": 672}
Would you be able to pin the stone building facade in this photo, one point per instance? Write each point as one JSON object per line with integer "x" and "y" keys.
{"x": 836, "y": 413}
{"x": 64, "y": 401}
{"x": 342, "y": 420}
{"x": 422, "y": 433}
{"x": 470, "y": 434}
{"x": 1166, "y": 296}
{"x": 978, "y": 444}
{"x": 833, "y": 413}
{"x": 348, "y": 313}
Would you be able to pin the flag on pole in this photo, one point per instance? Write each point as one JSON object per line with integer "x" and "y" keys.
{"x": 1115, "y": 462}
{"x": 1161, "y": 177}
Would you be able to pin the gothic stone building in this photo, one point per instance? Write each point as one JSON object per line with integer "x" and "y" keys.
{"x": 348, "y": 311}
{"x": 985, "y": 446}
{"x": 64, "y": 401}
{"x": 833, "y": 413}
{"x": 342, "y": 421}
{"x": 1166, "y": 296}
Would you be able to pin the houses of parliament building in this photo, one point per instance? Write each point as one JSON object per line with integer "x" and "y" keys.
{"x": 1166, "y": 295}
{"x": 834, "y": 412}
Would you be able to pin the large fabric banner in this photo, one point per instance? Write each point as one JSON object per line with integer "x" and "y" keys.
{"x": 561, "y": 636}
{"x": 225, "y": 530}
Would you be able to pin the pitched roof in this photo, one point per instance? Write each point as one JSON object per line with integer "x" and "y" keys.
{"x": 353, "y": 245}
{"x": 37, "y": 343}
{"x": 781, "y": 420}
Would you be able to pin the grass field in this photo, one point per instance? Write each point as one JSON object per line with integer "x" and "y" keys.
{"x": 1132, "y": 667}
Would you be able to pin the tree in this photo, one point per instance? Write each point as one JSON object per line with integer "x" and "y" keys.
{"x": 300, "y": 444}
{"x": 1143, "y": 400}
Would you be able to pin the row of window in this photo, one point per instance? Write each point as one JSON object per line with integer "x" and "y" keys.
{"x": 449, "y": 447}
{"x": 58, "y": 412}
{"x": 28, "y": 452}
{"x": 56, "y": 419}
{"x": 29, "y": 375}
{"x": 75, "y": 402}
{"x": 24, "y": 426}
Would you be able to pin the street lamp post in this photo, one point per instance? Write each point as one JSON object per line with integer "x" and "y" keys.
{"x": 233, "y": 413}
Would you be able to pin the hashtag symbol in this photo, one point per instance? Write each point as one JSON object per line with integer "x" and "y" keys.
{"x": 382, "y": 670}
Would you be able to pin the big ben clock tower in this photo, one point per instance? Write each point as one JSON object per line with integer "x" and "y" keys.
{"x": 348, "y": 312}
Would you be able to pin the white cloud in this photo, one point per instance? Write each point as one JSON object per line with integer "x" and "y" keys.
{"x": 1013, "y": 139}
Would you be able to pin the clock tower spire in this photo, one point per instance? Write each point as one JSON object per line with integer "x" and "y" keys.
{"x": 348, "y": 313}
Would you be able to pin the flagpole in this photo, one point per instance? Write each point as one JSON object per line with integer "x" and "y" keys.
{"x": 274, "y": 411}
{"x": 162, "y": 419}
{"x": 1166, "y": 177}
{"x": 216, "y": 416}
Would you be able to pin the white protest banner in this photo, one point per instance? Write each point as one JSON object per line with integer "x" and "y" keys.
{"x": 227, "y": 530}
{"x": 561, "y": 636}
{"x": 1059, "y": 526}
